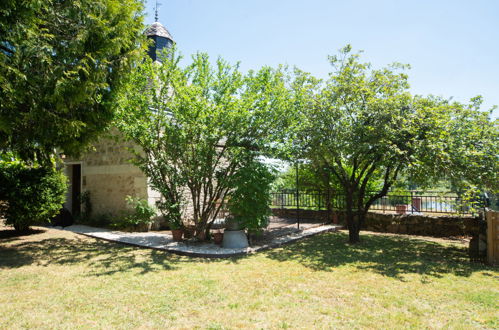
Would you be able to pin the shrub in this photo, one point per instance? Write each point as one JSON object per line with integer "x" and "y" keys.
{"x": 102, "y": 220}
{"x": 171, "y": 213}
{"x": 34, "y": 194}
{"x": 250, "y": 198}
{"x": 141, "y": 214}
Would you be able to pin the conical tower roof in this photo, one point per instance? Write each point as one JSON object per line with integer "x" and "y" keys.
{"x": 157, "y": 29}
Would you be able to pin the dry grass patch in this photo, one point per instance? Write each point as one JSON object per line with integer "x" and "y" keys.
{"x": 56, "y": 279}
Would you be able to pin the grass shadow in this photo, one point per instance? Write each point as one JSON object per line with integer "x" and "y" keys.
{"x": 391, "y": 256}
{"x": 99, "y": 257}
{"x": 12, "y": 234}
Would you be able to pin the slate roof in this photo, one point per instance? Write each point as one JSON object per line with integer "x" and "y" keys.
{"x": 157, "y": 29}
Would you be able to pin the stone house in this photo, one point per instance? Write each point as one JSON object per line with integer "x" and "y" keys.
{"x": 106, "y": 172}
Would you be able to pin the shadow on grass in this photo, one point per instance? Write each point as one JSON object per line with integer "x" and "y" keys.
{"x": 391, "y": 256}
{"x": 97, "y": 256}
{"x": 11, "y": 234}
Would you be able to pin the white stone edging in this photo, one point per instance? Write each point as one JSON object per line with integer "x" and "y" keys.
{"x": 165, "y": 242}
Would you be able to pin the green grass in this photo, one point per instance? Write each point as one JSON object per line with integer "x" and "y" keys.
{"x": 56, "y": 279}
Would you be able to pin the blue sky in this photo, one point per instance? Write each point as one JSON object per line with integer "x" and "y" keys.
{"x": 452, "y": 46}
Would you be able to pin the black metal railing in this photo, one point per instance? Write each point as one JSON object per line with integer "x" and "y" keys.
{"x": 305, "y": 200}
{"x": 398, "y": 202}
{"x": 426, "y": 202}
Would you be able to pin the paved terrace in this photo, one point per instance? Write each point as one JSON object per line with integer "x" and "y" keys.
{"x": 164, "y": 241}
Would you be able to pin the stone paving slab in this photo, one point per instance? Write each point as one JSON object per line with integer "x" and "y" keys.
{"x": 163, "y": 241}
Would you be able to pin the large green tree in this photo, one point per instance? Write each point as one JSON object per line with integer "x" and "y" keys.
{"x": 364, "y": 130}
{"x": 196, "y": 127}
{"x": 61, "y": 63}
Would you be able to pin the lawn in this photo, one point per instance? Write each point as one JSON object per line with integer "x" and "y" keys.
{"x": 56, "y": 279}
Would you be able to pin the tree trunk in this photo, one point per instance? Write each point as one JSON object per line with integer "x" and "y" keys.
{"x": 21, "y": 228}
{"x": 200, "y": 234}
{"x": 207, "y": 230}
{"x": 352, "y": 219}
{"x": 353, "y": 227}
{"x": 353, "y": 234}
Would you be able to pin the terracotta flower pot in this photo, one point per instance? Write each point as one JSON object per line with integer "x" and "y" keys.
{"x": 218, "y": 238}
{"x": 177, "y": 234}
{"x": 400, "y": 208}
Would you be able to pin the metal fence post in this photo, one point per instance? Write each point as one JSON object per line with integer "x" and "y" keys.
{"x": 328, "y": 205}
{"x": 412, "y": 201}
{"x": 297, "y": 198}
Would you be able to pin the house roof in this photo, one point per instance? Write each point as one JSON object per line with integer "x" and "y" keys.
{"x": 158, "y": 29}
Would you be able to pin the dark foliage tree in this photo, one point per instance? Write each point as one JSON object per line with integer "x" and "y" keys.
{"x": 30, "y": 194}
{"x": 61, "y": 63}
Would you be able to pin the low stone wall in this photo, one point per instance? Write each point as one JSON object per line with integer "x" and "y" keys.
{"x": 424, "y": 225}
{"x": 441, "y": 226}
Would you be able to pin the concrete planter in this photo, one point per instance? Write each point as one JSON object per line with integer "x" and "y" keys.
{"x": 235, "y": 239}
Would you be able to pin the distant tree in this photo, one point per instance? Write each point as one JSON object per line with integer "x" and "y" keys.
{"x": 308, "y": 179}
{"x": 468, "y": 155}
{"x": 365, "y": 130}
{"x": 61, "y": 63}
{"x": 196, "y": 127}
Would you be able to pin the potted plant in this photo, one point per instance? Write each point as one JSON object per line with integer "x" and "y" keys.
{"x": 139, "y": 216}
{"x": 218, "y": 237}
{"x": 177, "y": 231}
{"x": 171, "y": 213}
{"x": 401, "y": 208}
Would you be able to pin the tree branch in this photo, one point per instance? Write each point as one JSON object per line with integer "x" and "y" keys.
{"x": 7, "y": 50}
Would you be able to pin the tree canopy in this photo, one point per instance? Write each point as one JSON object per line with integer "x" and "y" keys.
{"x": 359, "y": 131}
{"x": 196, "y": 127}
{"x": 61, "y": 63}
{"x": 363, "y": 129}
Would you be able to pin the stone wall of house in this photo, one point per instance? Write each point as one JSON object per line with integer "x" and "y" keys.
{"x": 108, "y": 191}
{"x": 110, "y": 150}
{"x": 108, "y": 175}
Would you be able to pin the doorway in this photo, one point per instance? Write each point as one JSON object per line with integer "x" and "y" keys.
{"x": 73, "y": 204}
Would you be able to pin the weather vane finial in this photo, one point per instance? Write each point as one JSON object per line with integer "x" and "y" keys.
{"x": 156, "y": 11}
